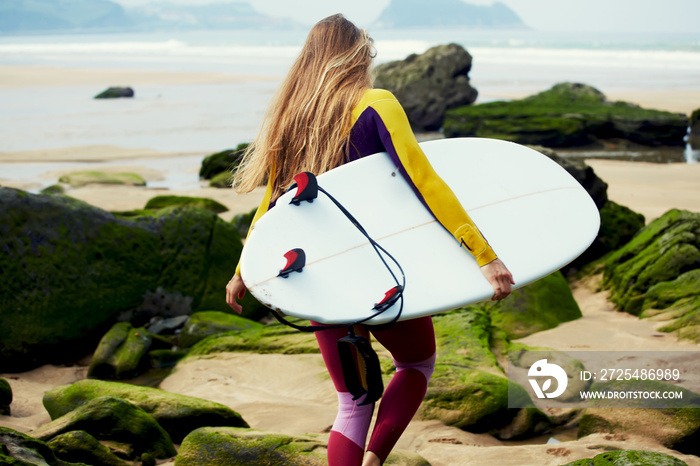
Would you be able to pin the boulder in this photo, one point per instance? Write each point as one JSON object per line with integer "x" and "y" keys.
{"x": 75, "y": 268}
{"x": 469, "y": 389}
{"x": 629, "y": 458}
{"x": 242, "y": 222}
{"x": 177, "y": 414}
{"x": 115, "y": 93}
{"x": 568, "y": 115}
{"x": 225, "y": 161}
{"x": 675, "y": 428}
{"x": 114, "y": 419}
{"x": 272, "y": 338}
{"x": 80, "y": 447}
{"x": 206, "y": 323}
{"x": 656, "y": 273}
{"x": 221, "y": 446}
{"x": 618, "y": 225}
{"x": 428, "y": 85}
{"x": 538, "y": 306}
{"x": 120, "y": 353}
{"x": 17, "y": 449}
{"x": 694, "y": 130}
{"x": 161, "y": 202}
{"x": 5, "y": 397}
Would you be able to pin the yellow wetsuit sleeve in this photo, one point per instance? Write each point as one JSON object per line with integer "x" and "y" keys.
{"x": 437, "y": 195}
{"x": 262, "y": 208}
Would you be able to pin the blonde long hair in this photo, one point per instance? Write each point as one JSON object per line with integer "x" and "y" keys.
{"x": 307, "y": 125}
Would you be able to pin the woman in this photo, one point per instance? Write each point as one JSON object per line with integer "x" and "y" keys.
{"x": 327, "y": 114}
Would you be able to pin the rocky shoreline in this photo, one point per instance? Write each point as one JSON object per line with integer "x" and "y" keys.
{"x": 167, "y": 376}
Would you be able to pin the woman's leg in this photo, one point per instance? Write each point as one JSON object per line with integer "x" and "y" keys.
{"x": 412, "y": 345}
{"x": 346, "y": 445}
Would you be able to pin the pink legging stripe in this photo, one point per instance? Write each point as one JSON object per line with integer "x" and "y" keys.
{"x": 412, "y": 346}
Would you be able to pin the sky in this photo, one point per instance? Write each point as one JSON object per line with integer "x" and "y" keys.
{"x": 542, "y": 15}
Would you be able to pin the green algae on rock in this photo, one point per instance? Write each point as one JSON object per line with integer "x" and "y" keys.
{"x": 538, "y": 306}
{"x": 17, "y": 449}
{"x": 161, "y": 202}
{"x": 469, "y": 389}
{"x": 74, "y": 268}
{"x": 567, "y": 115}
{"x": 5, "y": 397}
{"x": 629, "y": 458}
{"x": 120, "y": 353}
{"x": 272, "y": 338}
{"x": 225, "y": 161}
{"x": 222, "y": 446}
{"x": 112, "y": 418}
{"x": 177, "y": 414}
{"x": 78, "y": 446}
{"x": 82, "y": 178}
{"x": 656, "y": 273}
{"x": 217, "y": 446}
{"x": 206, "y": 323}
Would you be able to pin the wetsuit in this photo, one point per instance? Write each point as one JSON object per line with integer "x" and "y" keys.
{"x": 380, "y": 125}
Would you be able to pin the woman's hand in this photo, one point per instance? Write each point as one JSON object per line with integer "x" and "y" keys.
{"x": 500, "y": 278}
{"x": 235, "y": 289}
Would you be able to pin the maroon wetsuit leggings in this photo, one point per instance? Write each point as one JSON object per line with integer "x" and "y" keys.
{"x": 412, "y": 346}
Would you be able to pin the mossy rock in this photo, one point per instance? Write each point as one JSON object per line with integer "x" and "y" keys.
{"x": 469, "y": 389}
{"x": 115, "y": 92}
{"x": 222, "y": 180}
{"x": 229, "y": 447}
{"x": 242, "y": 222}
{"x": 206, "y": 323}
{"x": 161, "y": 202}
{"x": 5, "y": 397}
{"x": 665, "y": 251}
{"x": 618, "y": 225}
{"x": 477, "y": 401}
{"x": 629, "y": 458}
{"x": 272, "y": 338}
{"x": 112, "y": 418}
{"x": 568, "y": 114}
{"x": 675, "y": 428}
{"x": 538, "y": 306}
{"x": 677, "y": 301}
{"x": 225, "y": 161}
{"x": 82, "y": 178}
{"x": 17, "y": 449}
{"x": 120, "y": 353}
{"x": 75, "y": 268}
{"x": 54, "y": 189}
{"x": 177, "y": 414}
{"x": 80, "y": 447}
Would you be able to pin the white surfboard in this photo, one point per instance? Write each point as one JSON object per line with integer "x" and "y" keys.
{"x": 536, "y": 217}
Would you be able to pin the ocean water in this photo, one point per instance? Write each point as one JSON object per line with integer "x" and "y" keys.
{"x": 212, "y": 117}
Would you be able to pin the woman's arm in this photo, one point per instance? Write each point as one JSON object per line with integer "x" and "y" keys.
{"x": 400, "y": 142}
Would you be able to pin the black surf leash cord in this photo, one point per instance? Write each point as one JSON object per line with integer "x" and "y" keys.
{"x": 308, "y": 191}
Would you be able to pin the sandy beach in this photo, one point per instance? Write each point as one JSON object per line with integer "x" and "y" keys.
{"x": 305, "y": 402}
